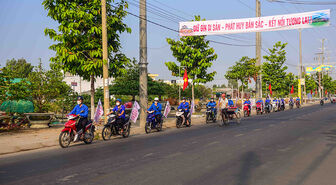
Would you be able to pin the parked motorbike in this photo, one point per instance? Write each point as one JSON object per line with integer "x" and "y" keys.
{"x": 210, "y": 115}
{"x": 247, "y": 110}
{"x": 180, "y": 120}
{"x": 151, "y": 123}
{"x": 114, "y": 129}
{"x": 259, "y": 108}
{"x": 67, "y": 134}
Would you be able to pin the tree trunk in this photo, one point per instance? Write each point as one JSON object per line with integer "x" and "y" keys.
{"x": 133, "y": 98}
{"x": 92, "y": 97}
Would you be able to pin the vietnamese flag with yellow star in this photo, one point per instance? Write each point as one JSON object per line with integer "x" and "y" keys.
{"x": 185, "y": 79}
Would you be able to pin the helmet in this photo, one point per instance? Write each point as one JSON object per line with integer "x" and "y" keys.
{"x": 184, "y": 98}
{"x": 156, "y": 99}
{"x": 119, "y": 100}
{"x": 80, "y": 98}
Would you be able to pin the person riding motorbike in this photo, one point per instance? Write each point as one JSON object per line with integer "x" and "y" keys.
{"x": 184, "y": 105}
{"x": 283, "y": 103}
{"x": 298, "y": 100}
{"x": 291, "y": 100}
{"x": 82, "y": 111}
{"x": 119, "y": 110}
{"x": 157, "y": 108}
{"x": 261, "y": 102}
{"x": 230, "y": 102}
{"x": 248, "y": 102}
{"x": 212, "y": 104}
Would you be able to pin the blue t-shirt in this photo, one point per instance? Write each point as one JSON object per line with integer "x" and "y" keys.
{"x": 267, "y": 101}
{"x": 247, "y": 102}
{"x": 156, "y": 108}
{"x": 82, "y": 111}
{"x": 259, "y": 101}
{"x": 297, "y": 99}
{"x": 118, "y": 110}
{"x": 184, "y": 105}
{"x": 211, "y": 104}
{"x": 230, "y": 103}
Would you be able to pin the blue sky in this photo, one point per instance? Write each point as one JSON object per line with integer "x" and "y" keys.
{"x": 23, "y": 22}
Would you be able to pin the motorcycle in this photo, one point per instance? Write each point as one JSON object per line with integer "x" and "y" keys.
{"x": 114, "y": 129}
{"x": 210, "y": 115}
{"x": 322, "y": 102}
{"x": 259, "y": 108}
{"x": 180, "y": 120}
{"x": 151, "y": 123}
{"x": 297, "y": 102}
{"x": 247, "y": 110}
{"x": 275, "y": 106}
{"x": 268, "y": 108}
{"x": 67, "y": 134}
{"x": 291, "y": 104}
{"x": 333, "y": 100}
{"x": 282, "y": 105}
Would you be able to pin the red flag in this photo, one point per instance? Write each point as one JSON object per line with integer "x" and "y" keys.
{"x": 185, "y": 79}
{"x": 270, "y": 88}
{"x": 292, "y": 91}
{"x": 326, "y": 92}
{"x": 311, "y": 91}
{"x": 315, "y": 91}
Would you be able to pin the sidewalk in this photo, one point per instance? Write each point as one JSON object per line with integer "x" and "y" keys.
{"x": 31, "y": 139}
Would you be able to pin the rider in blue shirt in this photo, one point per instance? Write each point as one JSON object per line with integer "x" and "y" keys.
{"x": 157, "y": 108}
{"x": 230, "y": 102}
{"x": 267, "y": 101}
{"x": 82, "y": 111}
{"x": 119, "y": 110}
{"x": 185, "y": 107}
{"x": 212, "y": 104}
{"x": 248, "y": 102}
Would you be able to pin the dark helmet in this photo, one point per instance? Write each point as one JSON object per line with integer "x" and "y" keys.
{"x": 80, "y": 98}
{"x": 184, "y": 98}
{"x": 119, "y": 100}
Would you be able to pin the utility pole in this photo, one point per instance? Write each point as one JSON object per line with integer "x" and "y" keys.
{"x": 143, "y": 63}
{"x": 300, "y": 66}
{"x": 105, "y": 62}
{"x": 258, "y": 53}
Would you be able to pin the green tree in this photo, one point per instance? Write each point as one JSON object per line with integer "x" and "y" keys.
{"x": 273, "y": 70}
{"x": 195, "y": 53}
{"x": 17, "y": 68}
{"x": 243, "y": 70}
{"x": 233, "y": 83}
{"x": 311, "y": 83}
{"x": 291, "y": 80}
{"x": 46, "y": 86}
{"x": 78, "y": 40}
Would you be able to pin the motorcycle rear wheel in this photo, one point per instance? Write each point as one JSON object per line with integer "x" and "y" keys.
{"x": 106, "y": 133}
{"x": 64, "y": 139}
{"x": 159, "y": 126}
{"x": 89, "y": 139}
{"x": 127, "y": 131}
{"x": 207, "y": 118}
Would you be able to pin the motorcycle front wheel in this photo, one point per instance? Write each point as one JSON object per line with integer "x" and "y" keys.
{"x": 64, "y": 139}
{"x": 106, "y": 133}
{"x": 207, "y": 118}
{"x": 148, "y": 127}
{"x": 178, "y": 122}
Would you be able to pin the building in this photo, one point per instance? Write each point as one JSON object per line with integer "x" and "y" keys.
{"x": 82, "y": 86}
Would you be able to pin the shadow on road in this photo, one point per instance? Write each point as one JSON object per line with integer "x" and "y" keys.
{"x": 250, "y": 161}
{"x": 331, "y": 137}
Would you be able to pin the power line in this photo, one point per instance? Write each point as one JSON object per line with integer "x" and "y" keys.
{"x": 304, "y": 2}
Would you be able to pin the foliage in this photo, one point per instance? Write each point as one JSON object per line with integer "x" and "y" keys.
{"x": 17, "y": 68}
{"x": 78, "y": 40}
{"x": 243, "y": 70}
{"x": 311, "y": 83}
{"x": 128, "y": 84}
{"x": 274, "y": 71}
{"x": 233, "y": 83}
{"x": 46, "y": 86}
{"x": 195, "y": 53}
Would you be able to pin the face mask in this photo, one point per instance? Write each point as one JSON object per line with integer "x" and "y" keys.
{"x": 118, "y": 103}
{"x": 183, "y": 100}
{"x": 79, "y": 102}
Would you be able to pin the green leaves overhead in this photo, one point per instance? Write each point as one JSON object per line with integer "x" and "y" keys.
{"x": 78, "y": 39}
{"x": 194, "y": 53}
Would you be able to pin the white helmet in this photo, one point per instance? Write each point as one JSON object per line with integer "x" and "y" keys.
{"x": 156, "y": 99}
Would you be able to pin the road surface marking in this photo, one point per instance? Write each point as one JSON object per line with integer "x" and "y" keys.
{"x": 147, "y": 155}
{"x": 238, "y": 135}
{"x": 257, "y": 129}
{"x": 212, "y": 143}
{"x": 67, "y": 178}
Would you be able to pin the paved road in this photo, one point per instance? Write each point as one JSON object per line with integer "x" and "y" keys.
{"x": 283, "y": 148}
